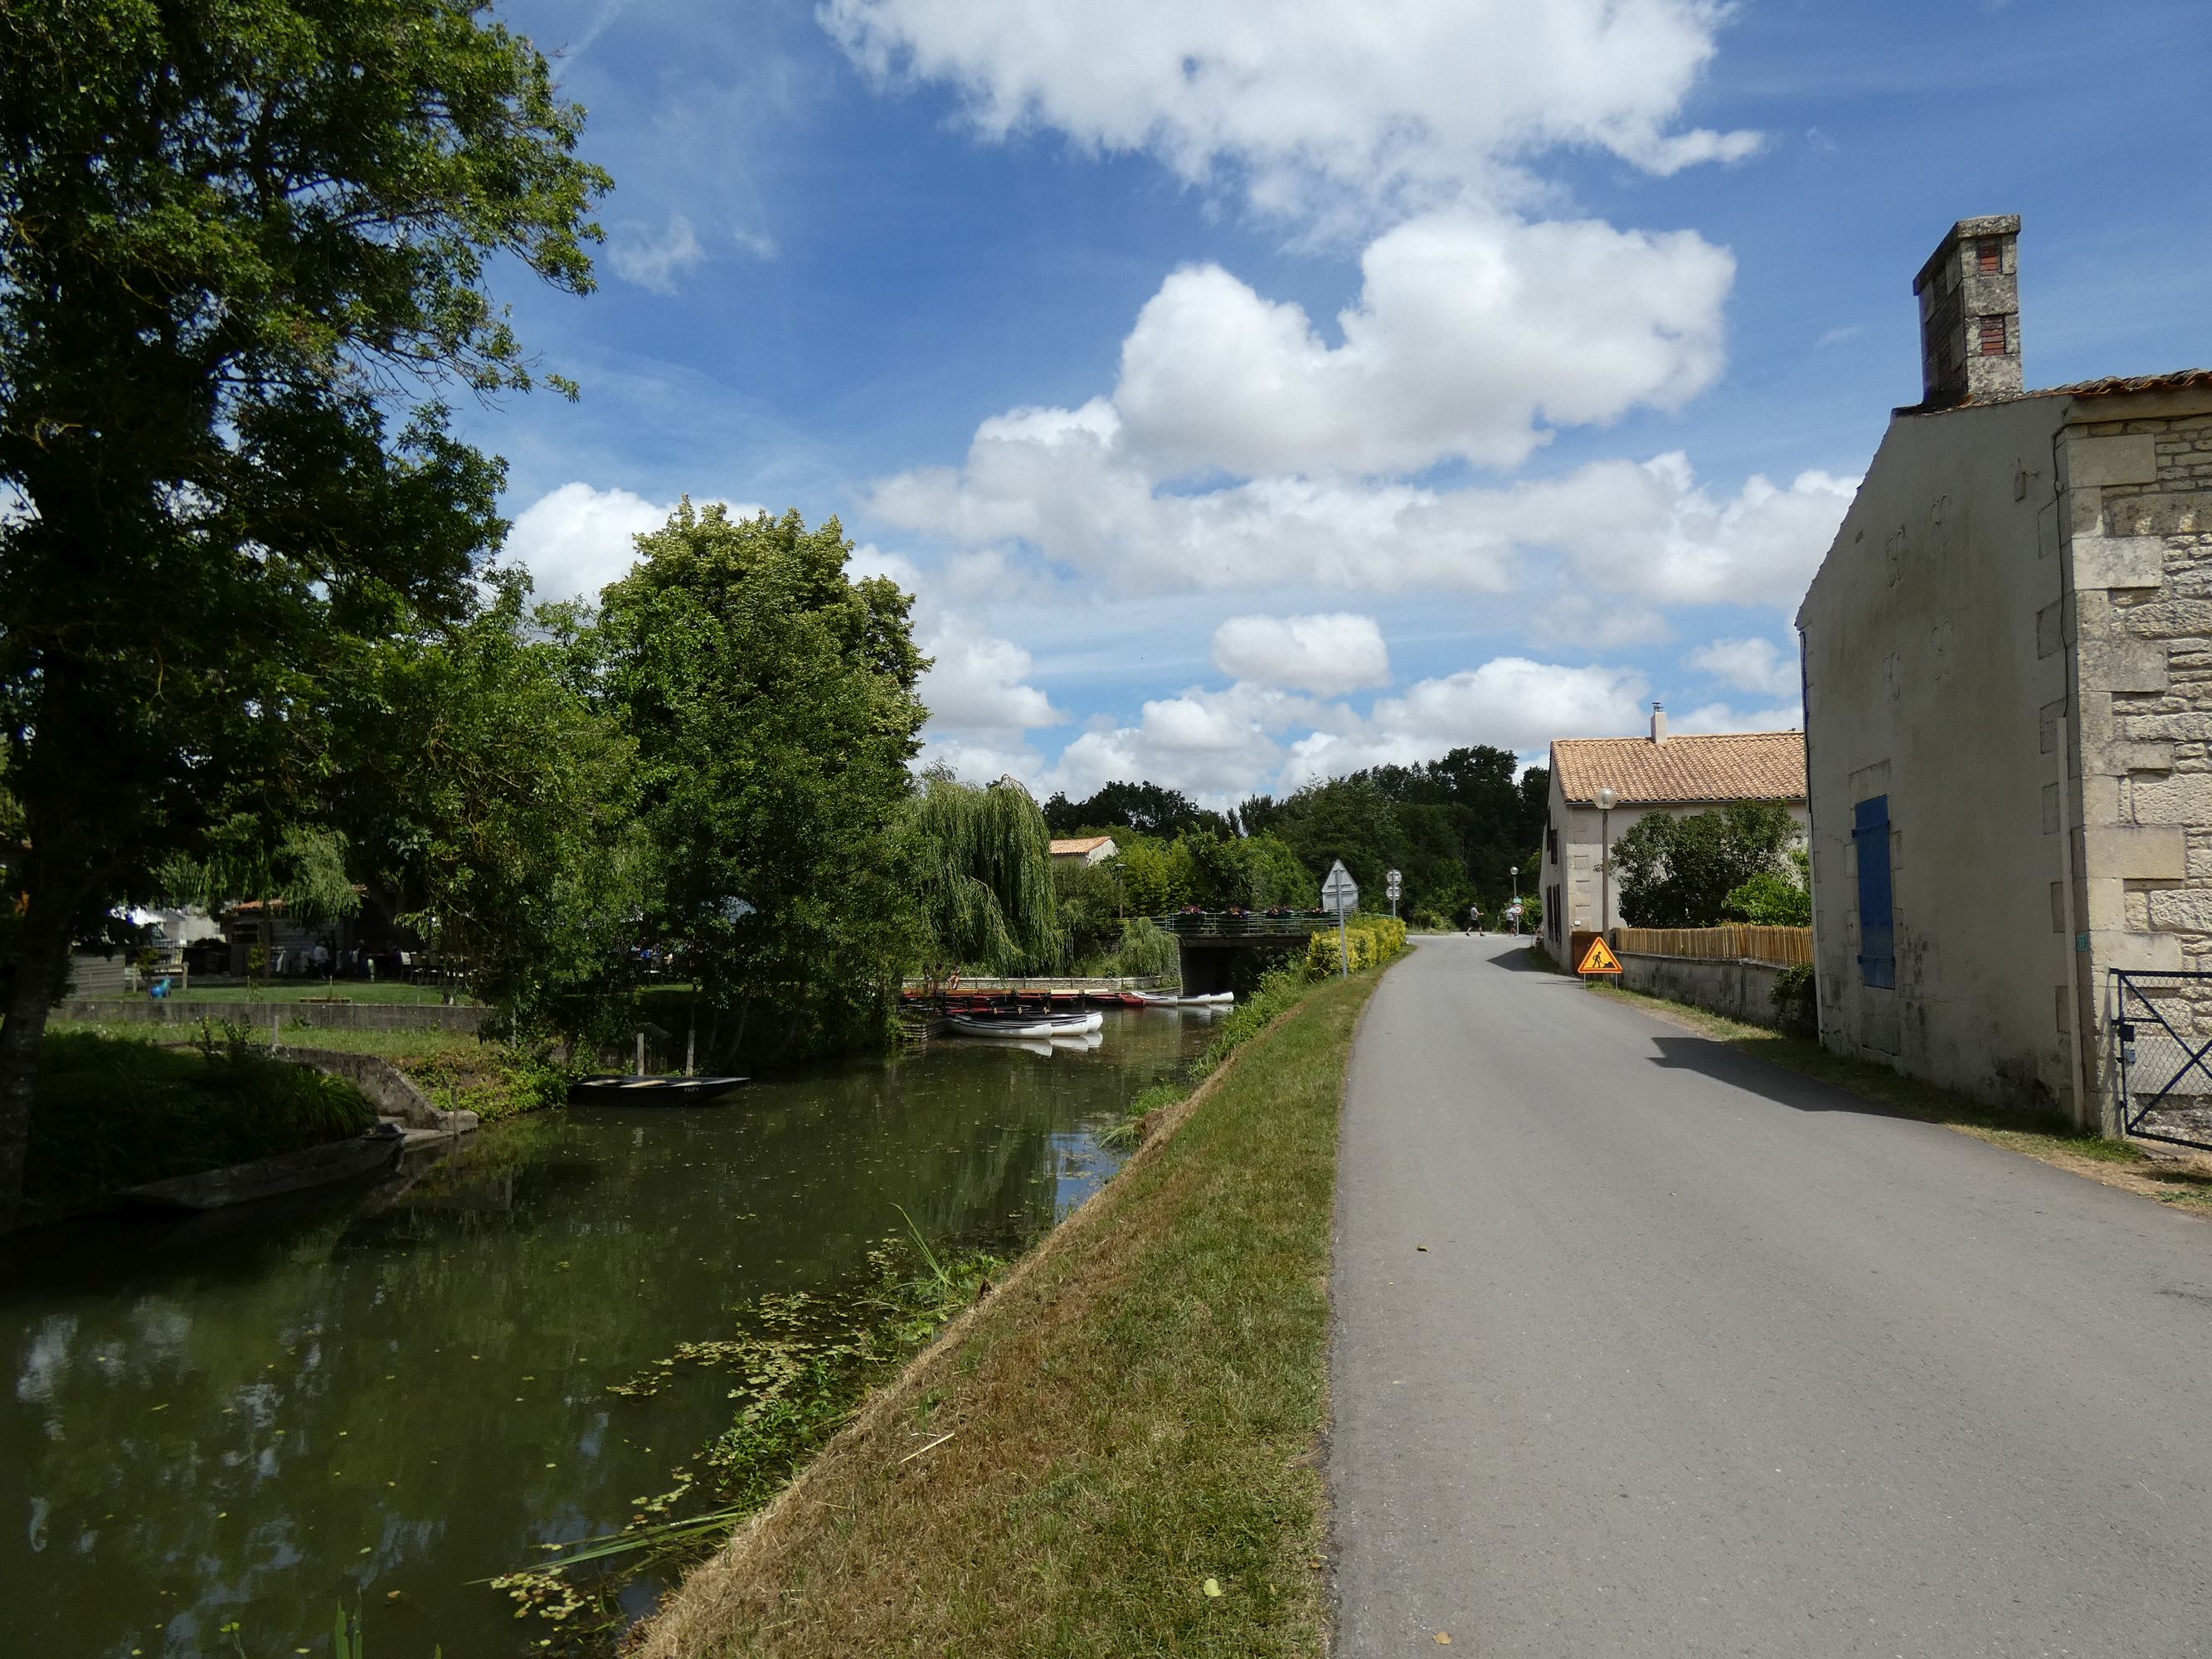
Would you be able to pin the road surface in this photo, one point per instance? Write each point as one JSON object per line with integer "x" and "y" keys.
{"x": 1703, "y": 1357}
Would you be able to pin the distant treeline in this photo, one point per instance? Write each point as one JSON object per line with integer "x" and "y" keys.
{"x": 1453, "y": 828}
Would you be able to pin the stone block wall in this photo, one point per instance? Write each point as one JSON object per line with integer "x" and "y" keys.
{"x": 2139, "y": 505}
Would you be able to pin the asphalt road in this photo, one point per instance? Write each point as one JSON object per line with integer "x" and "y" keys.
{"x": 1703, "y": 1358}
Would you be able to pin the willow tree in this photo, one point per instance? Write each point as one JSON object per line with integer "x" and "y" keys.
{"x": 979, "y": 865}
{"x": 245, "y": 246}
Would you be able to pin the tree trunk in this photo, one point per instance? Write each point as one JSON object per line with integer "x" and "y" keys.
{"x": 41, "y": 967}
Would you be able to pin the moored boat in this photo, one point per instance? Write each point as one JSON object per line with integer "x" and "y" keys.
{"x": 1177, "y": 999}
{"x": 1024, "y": 1024}
{"x": 614, "y": 1089}
{"x": 374, "y": 1153}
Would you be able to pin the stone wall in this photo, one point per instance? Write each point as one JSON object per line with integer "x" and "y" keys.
{"x": 1741, "y": 990}
{"x": 2140, "y": 506}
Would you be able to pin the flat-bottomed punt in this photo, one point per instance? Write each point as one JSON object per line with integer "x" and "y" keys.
{"x": 373, "y": 1153}
{"x": 615, "y": 1089}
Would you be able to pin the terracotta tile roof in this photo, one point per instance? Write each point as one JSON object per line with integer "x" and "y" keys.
{"x": 1730, "y": 766}
{"x": 1077, "y": 845}
{"x": 2181, "y": 379}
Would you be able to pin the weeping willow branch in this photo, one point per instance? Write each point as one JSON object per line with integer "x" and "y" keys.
{"x": 981, "y": 864}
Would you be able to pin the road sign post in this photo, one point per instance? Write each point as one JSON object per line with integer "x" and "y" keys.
{"x": 1390, "y": 887}
{"x": 1339, "y": 893}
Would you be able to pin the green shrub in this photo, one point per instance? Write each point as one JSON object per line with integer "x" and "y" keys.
{"x": 112, "y": 1112}
{"x": 1369, "y": 940}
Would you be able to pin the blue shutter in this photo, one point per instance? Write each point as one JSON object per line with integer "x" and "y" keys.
{"x": 1877, "y": 939}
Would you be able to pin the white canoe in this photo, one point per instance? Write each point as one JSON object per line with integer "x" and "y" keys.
{"x": 1176, "y": 999}
{"x": 1026, "y": 1025}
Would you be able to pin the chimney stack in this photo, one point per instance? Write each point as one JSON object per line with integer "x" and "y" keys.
{"x": 1658, "y": 722}
{"x": 1969, "y": 294}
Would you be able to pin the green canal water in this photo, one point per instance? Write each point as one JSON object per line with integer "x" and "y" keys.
{"x": 258, "y": 1417}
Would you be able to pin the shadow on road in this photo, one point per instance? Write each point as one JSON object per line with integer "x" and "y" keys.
{"x": 1723, "y": 1064}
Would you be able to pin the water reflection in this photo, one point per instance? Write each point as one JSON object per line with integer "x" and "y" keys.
{"x": 257, "y": 1416}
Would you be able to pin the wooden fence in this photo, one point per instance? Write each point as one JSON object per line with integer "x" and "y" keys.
{"x": 1781, "y": 947}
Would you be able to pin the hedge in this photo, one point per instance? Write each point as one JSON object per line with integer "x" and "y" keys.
{"x": 1369, "y": 940}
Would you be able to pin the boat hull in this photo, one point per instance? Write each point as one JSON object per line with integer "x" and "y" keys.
{"x": 616, "y": 1090}
{"x": 373, "y": 1153}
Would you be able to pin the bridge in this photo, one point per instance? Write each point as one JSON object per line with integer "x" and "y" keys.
{"x": 1229, "y": 949}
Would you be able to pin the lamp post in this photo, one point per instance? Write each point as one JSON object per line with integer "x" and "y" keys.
{"x": 1513, "y": 874}
{"x": 1605, "y": 798}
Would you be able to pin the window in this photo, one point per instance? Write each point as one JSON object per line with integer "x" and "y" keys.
{"x": 1993, "y": 336}
{"x": 1877, "y": 938}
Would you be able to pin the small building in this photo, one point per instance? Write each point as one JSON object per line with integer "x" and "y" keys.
{"x": 2008, "y": 710}
{"x": 1083, "y": 849}
{"x": 1657, "y": 772}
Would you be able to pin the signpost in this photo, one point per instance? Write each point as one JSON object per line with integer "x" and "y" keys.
{"x": 1339, "y": 893}
{"x": 1390, "y": 888}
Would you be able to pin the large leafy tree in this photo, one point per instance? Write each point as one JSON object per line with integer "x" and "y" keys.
{"x": 771, "y": 698}
{"x": 242, "y": 244}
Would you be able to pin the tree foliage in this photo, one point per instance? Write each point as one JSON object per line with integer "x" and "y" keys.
{"x": 980, "y": 877}
{"x": 241, "y": 245}
{"x": 1680, "y": 872}
{"x": 770, "y": 697}
{"x": 1147, "y": 808}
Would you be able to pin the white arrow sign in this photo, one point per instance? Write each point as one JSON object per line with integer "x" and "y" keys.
{"x": 1339, "y": 894}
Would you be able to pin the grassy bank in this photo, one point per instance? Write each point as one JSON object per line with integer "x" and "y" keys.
{"x": 2184, "y": 1182}
{"x": 1111, "y": 1454}
{"x": 112, "y": 1112}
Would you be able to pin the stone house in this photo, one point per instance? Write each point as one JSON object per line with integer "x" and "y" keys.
{"x": 1651, "y": 774}
{"x": 1083, "y": 849}
{"x": 2008, "y": 669}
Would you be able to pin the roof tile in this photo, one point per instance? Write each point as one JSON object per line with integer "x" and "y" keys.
{"x": 1731, "y": 766}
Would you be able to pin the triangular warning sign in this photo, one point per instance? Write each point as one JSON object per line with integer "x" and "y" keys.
{"x": 1598, "y": 960}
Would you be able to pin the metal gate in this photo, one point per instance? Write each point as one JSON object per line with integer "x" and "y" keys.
{"x": 2162, "y": 1024}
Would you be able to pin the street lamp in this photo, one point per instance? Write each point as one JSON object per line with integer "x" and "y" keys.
{"x": 1513, "y": 874}
{"x": 1606, "y": 799}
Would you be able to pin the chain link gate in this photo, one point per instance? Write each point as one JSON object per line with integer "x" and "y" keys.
{"x": 2162, "y": 1024}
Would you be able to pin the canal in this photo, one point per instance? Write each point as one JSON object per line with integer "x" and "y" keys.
{"x": 253, "y": 1418}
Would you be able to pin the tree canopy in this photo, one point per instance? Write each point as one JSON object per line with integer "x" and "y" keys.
{"x": 242, "y": 248}
{"x": 1681, "y": 871}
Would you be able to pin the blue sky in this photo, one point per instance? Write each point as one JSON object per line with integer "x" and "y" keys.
{"x": 1249, "y": 389}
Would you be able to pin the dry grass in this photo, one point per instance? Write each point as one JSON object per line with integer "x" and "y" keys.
{"x": 2176, "y": 1177}
{"x": 1133, "y": 1412}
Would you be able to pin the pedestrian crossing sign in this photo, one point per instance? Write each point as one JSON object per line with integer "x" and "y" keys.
{"x": 1598, "y": 960}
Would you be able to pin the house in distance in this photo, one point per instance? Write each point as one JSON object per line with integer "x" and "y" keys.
{"x": 2008, "y": 710}
{"x": 1657, "y": 772}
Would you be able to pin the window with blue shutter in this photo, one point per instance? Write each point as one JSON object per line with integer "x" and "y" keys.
{"x": 1877, "y": 939}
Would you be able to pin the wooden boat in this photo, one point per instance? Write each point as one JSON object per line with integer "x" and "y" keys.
{"x": 1025, "y": 1024}
{"x": 373, "y": 1153}
{"x": 617, "y": 1089}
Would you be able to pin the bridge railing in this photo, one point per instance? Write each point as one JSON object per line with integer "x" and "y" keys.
{"x": 1223, "y": 924}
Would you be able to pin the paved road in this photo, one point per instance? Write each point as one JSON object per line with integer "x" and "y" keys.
{"x": 1704, "y": 1359}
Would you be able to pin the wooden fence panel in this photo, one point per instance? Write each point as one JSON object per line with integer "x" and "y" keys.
{"x": 1782, "y": 947}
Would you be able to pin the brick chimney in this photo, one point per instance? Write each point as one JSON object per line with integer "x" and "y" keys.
{"x": 1658, "y": 722}
{"x": 1969, "y": 294}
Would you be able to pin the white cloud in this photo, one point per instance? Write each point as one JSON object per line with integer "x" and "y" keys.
{"x": 1317, "y": 108}
{"x": 1720, "y": 717}
{"x": 1755, "y": 664}
{"x": 576, "y": 539}
{"x": 1469, "y": 330}
{"x": 759, "y": 243}
{"x": 1328, "y": 654}
{"x": 653, "y": 261}
{"x": 978, "y": 683}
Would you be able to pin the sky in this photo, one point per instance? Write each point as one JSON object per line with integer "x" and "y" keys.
{"x": 1250, "y": 390}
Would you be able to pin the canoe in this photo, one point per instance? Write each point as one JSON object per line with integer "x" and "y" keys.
{"x": 1025, "y": 1025}
{"x": 372, "y": 1153}
{"x": 615, "y": 1089}
{"x": 1176, "y": 999}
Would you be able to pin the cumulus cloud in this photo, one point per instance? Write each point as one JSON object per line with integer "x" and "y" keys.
{"x": 1470, "y": 330}
{"x": 1328, "y": 654}
{"x": 1510, "y": 701}
{"x": 979, "y": 682}
{"x": 1759, "y": 665}
{"x": 574, "y": 540}
{"x": 1316, "y": 108}
{"x": 654, "y": 260}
